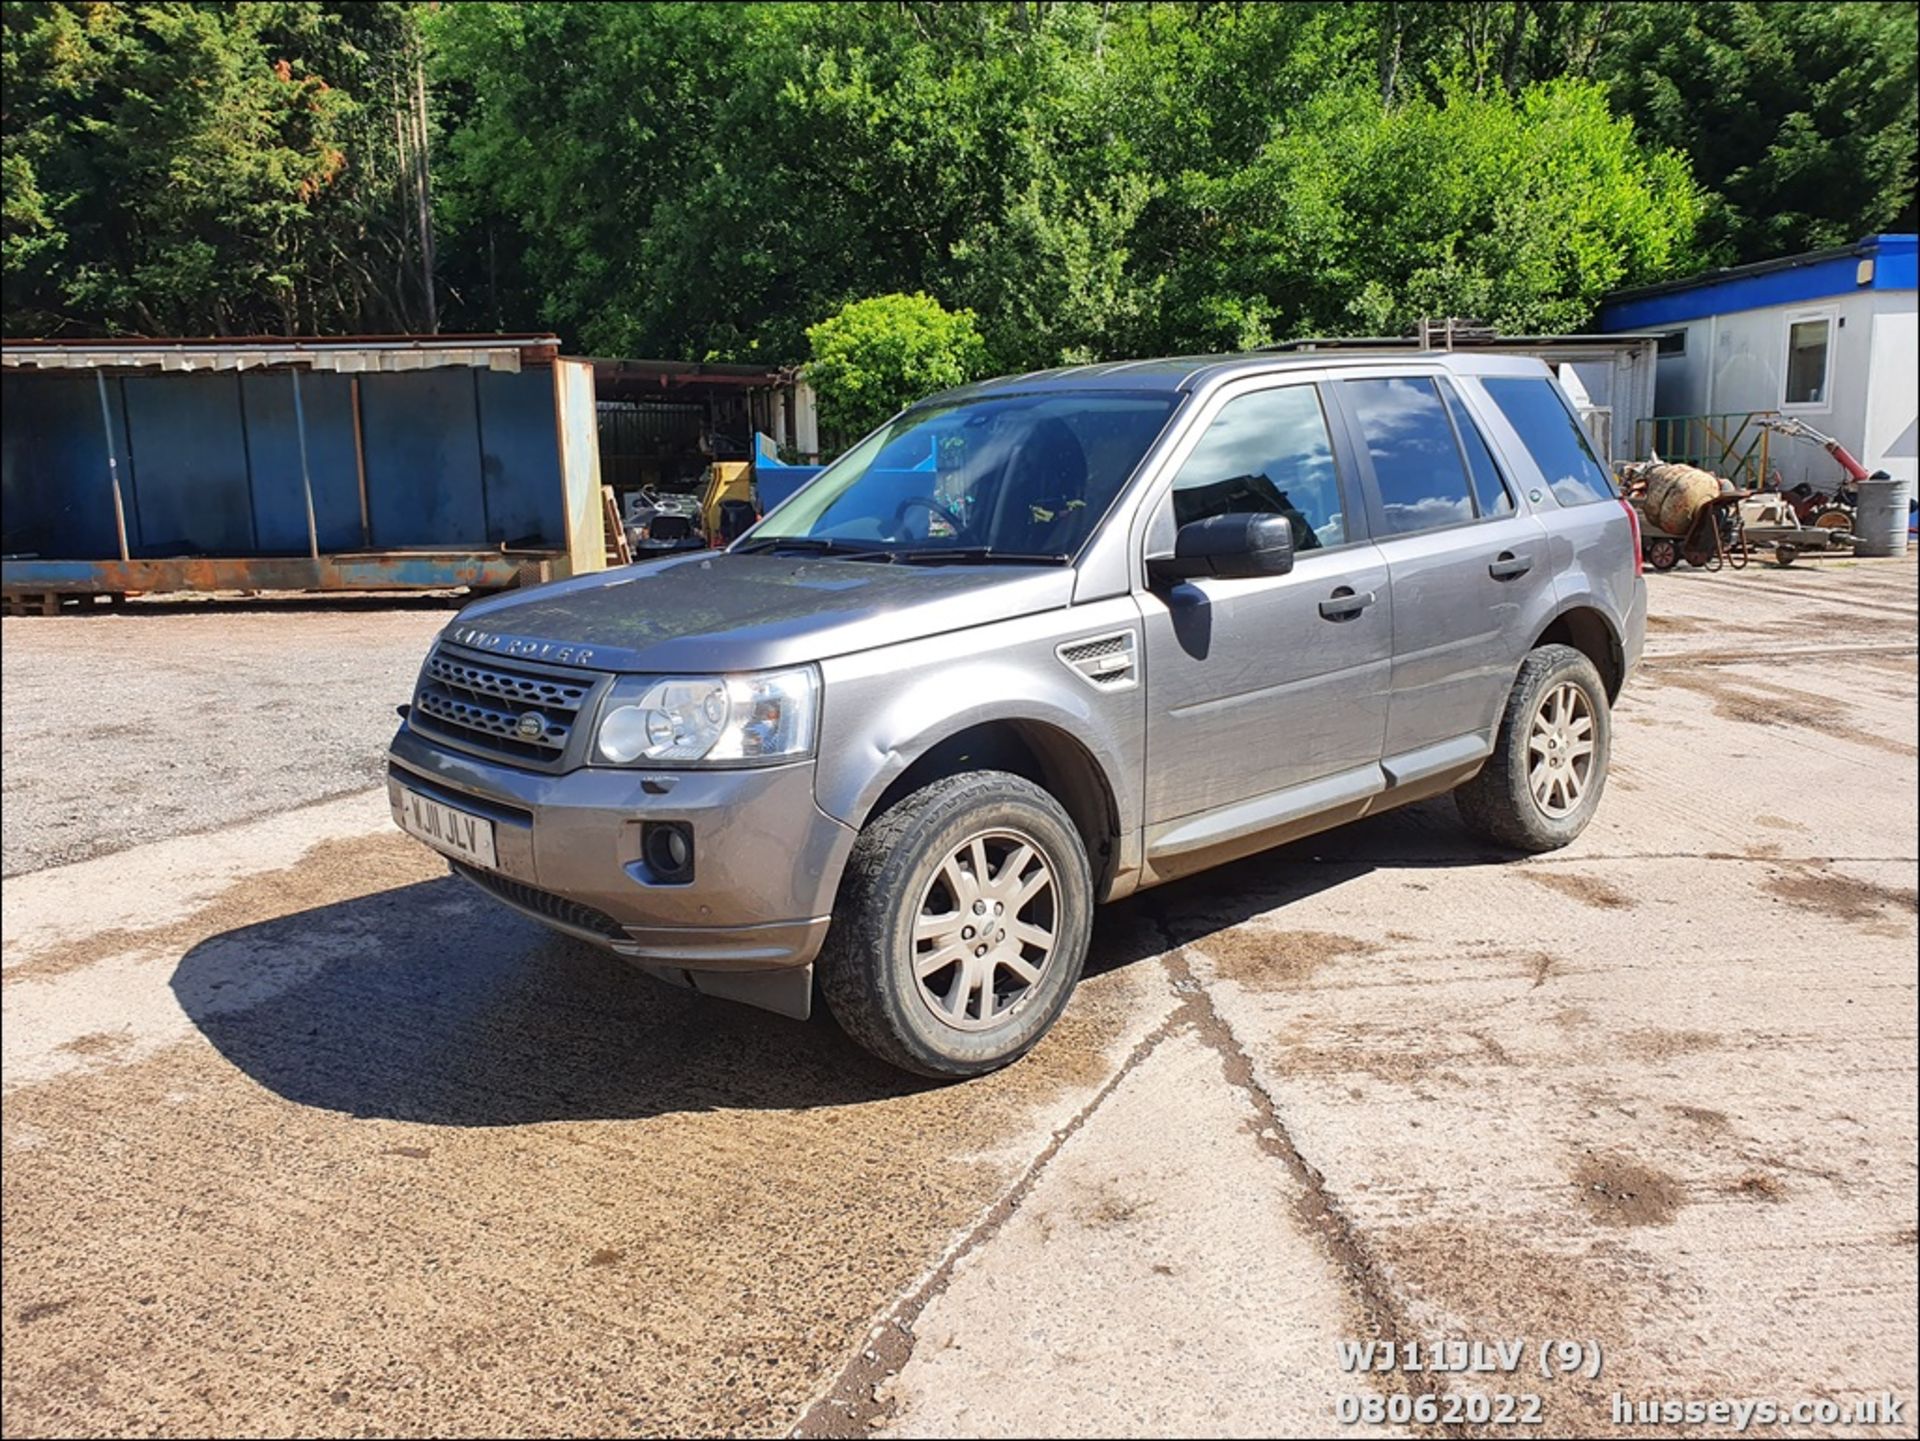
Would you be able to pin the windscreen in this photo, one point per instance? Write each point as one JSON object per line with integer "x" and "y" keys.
{"x": 1009, "y": 476}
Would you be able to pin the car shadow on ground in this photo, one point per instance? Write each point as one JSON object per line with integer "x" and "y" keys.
{"x": 430, "y": 1003}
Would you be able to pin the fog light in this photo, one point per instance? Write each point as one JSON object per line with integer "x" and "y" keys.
{"x": 667, "y": 847}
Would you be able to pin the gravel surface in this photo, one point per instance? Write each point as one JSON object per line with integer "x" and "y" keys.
{"x": 176, "y": 717}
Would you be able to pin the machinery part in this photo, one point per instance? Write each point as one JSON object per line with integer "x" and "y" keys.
{"x": 1663, "y": 552}
{"x": 1786, "y": 554}
{"x": 1832, "y": 517}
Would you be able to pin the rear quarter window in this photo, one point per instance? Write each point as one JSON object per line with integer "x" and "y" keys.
{"x": 1539, "y": 413}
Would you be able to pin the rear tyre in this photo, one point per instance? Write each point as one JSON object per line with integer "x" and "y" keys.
{"x": 961, "y": 926}
{"x": 1663, "y": 554}
{"x": 1549, "y": 765}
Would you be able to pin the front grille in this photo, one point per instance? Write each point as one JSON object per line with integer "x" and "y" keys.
{"x": 544, "y": 903}
{"x": 487, "y": 705}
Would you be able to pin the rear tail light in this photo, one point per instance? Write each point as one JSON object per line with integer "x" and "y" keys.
{"x": 1633, "y": 519}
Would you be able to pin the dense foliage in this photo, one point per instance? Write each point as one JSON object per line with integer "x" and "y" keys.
{"x": 874, "y": 355}
{"x": 190, "y": 169}
{"x": 1088, "y": 179}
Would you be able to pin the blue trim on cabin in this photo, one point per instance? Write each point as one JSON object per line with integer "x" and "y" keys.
{"x": 1795, "y": 280}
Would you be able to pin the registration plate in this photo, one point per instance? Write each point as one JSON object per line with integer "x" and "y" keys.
{"x": 465, "y": 837}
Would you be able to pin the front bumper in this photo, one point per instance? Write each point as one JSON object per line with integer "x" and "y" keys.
{"x": 767, "y": 860}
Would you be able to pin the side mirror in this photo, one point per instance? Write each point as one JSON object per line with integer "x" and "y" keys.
{"x": 1228, "y": 547}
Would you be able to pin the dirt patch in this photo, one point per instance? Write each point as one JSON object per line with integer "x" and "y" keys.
{"x": 1758, "y": 1186}
{"x": 1112, "y": 1210}
{"x": 1496, "y": 1052}
{"x": 1588, "y": 890}
{"x": 1658, "y": 1044}
{"x": 329, "y": 872}
{"x": 1894, "y": 664}
{"x": 1778, "y": 823}
{"x": 1752, "y": 701}
{"x": 97, "y": 1043}
{"x": 1844, "y": 898}
{"x": 1263, "y": 958}
{"x": 1400, "y": 1068}
{"x": 1467, "y": 1279}
{"x": 1675, "y": 624}
{"x": 1617, "y": 1191}
{"x": 1703, "y": 1116}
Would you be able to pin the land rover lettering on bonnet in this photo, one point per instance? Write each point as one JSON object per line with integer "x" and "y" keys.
{"x": 522, "y": 646}
{"x": 1033, "y": 645}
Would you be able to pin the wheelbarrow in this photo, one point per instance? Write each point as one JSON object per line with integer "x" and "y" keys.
{"x": 1712, "y": 540}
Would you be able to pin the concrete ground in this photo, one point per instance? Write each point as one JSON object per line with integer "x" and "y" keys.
{"x": 302, "y": 1135}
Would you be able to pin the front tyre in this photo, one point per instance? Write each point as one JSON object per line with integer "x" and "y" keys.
{"x": 1549, "y": 765}
{"x": 961, "y": 926}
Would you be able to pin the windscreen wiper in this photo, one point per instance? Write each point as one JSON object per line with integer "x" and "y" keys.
{"x": 811, "y": 545}
{"x": 974, "y": 555}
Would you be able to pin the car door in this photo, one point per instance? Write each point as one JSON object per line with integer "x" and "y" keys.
{"x": 1267, "y": 696}
{"x": 1470, "y": 571}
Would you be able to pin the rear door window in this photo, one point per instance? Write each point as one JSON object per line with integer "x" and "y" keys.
{"x": 1416, "y": 460}
{"x": 1490, "y": 491}
{"x": 1539, "y": 413}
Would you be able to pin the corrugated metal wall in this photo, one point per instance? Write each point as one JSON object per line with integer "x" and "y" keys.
{"x": 209, "y": 463}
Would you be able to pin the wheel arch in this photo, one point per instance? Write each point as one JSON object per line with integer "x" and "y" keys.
{"x": 1037, "y": 750}
{"x": 1588, "y": 630}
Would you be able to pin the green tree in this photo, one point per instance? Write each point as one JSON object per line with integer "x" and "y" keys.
{"x": 874, "y": 356}
{"x": 1091, "y": 180}
{"x": 183, "y": 168}
{"x": 1800, "y": 119}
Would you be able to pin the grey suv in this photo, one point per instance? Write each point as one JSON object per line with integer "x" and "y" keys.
{"x": 1034, "y": 644}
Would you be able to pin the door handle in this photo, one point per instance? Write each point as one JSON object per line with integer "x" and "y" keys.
{"x": 1344, "y": 604}
{"x": 1508, "y": 566}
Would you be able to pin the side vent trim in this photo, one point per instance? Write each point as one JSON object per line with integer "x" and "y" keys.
{"x": 1109, "y": 662}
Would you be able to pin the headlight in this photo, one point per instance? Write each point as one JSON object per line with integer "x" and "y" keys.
{"x": 739, "y": 718}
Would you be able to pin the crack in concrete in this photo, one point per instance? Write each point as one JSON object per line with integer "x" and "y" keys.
{"x": 852, "y": 1406}
{"x": 1317, "y": 1210}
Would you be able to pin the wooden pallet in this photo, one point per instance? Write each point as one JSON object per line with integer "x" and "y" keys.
{"x": 618, "y": 551}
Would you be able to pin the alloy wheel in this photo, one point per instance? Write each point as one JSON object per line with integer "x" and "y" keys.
{"x": 985, "y": 929}
{"x": 1560, "y": 750}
